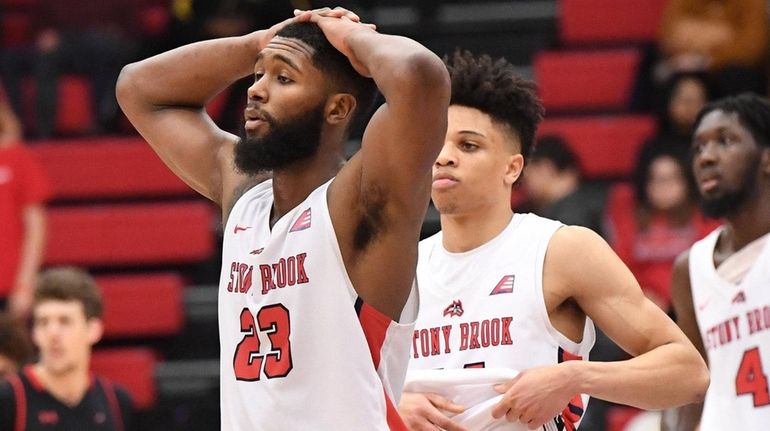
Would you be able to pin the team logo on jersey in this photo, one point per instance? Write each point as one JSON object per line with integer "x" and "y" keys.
{"x": 504, "y": 286}
{"x": 454, "y": 309}
{"x": 739, "y": 298}
{"x": 302, "y": 223}
{"x": 240, "y": 229}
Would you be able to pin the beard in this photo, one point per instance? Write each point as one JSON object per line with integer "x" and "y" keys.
{"x": 731, "y": 201}
{"x": 286, "y": 142}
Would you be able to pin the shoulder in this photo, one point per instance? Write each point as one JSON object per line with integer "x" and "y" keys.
{"x": 6, "y": 390}
{"x": 7, "y": 403}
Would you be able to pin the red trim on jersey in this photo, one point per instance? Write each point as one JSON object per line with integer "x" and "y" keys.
{"x": 21, "y": 402}
{"x": 375, "y": 326}
{"x": 29, "y": 371}
{"x": 395, "y": 422}
{"x": 112, "y": 400}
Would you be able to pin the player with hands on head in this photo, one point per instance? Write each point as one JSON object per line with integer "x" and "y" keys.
{"x": 319, "y": 254}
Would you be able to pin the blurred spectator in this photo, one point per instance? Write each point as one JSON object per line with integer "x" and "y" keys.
{"x": 728, "y": 38}
{"x": 15, "y": 346}
{"x": 554, "y": 187}
{"x": 660, "y": 220}
{"x": 24, "y": 190}
{"x": 684, "y": 95}
{"x": 59, "y": 391}
{"x": 73, "y": 36}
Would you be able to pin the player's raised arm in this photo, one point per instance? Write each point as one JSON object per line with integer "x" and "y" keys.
{"x": 164, "y": 97}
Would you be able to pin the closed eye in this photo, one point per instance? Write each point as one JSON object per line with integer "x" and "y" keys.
{"x": 284, "y": 79}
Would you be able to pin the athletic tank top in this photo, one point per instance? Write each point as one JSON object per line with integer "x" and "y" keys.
{"x": 485, "y": 308}
{"x": 299, "y": 349}
{"x": 734, "y": 322}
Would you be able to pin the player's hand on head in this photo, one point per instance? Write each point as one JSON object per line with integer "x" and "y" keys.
{"x": 535, "y": 396}
{"x": 337, "y": 12}
{"x": 428, "y": 411}
{"x": 269, "y": 34}
{"x": 338, "y": 29}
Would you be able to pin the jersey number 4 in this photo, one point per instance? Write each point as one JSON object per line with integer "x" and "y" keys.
{"x": 274, "y": 321}
{"x": 751, "y": 378}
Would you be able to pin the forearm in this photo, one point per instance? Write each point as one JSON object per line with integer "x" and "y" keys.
{"x": 190, "y": 75}
{"x": 669, "y": 375}
{"x": 684, "y": 418}
{"x": 399, "y": 66}
{"x": 33, "y": 246}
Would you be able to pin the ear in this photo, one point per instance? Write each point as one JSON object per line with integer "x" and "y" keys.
{"x": 514, "y": 168}
{"x": 95, "y": 330}
{"x": 339, "y": 108}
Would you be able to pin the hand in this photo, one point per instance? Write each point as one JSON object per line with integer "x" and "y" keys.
{"x": 535, "y": 396}
{"x": 20, "y": 301}
{"x": 265, "y": 36}
{"x": 337, "y": 25}
{"x": 423, "y": 412}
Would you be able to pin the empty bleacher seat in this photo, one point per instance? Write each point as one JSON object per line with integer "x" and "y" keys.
{"x": 605, "y": 145}
{"x": 131, "y": 367}
{"x": 74, "y": 105}
{"x": 142, "y": 305}
{"x": 130, "y": 234}
{"x": 609, "y": 21}
{"x": 17, "y": 28}
{"x": 107, "y": 167}
{"x": 586, "y": 80}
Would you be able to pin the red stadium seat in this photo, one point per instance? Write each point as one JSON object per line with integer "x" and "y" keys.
{"x": 607, "y": 145}
{"x": 74, "y": 105}
{"x": 586, "y": 80}
{"x": 16, "y": 28}
{"x": 107, "y": 167}
{"x": 133, "y": 368}
{"x": 157, "y": 298}
{"x": 75, "y": 110}
{"x": 609, "y": 21}
{"x": 130, "y": 234}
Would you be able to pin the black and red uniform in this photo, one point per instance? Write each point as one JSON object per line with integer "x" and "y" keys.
{"x": 25, "y": 405}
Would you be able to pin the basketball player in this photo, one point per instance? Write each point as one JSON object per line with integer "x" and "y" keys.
{"x": 720, "y": 286}
{"x": 519, "y": 293}
{"x": 318, "y": 260}
{"x": 58, "y": 392}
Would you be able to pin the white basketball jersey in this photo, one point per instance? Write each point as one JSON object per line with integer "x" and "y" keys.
{"x": 485, "y": 308}
{"x": 734, "y": 322}
{"x": 299, "y": 349}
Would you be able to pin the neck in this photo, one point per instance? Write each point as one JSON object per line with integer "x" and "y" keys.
{"x": 293, "y": 184}
{"x": 464, "y": 232}
{"x": 69, "y": 387}
{"x": 749, "y": 222}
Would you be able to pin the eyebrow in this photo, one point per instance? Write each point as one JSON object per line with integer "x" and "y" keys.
{"x": 279, "y": 57}
{"x": 471, "y": 132}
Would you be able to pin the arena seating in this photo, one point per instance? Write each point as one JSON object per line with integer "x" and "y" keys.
{"x": 605, "y": 145}
{"x": 586, "y": 80}
{"x": 609, "y": 21}
{"x": 88, "y": 169}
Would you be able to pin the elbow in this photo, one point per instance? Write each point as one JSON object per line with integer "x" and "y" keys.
{"x": 125, "y": 88}
{"x": 702, "y": 381}
{"x": 426, "y": 74}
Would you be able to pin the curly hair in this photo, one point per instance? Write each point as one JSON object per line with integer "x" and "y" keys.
{"x": 753, "y": 113}
{"x": 493, "y": 87}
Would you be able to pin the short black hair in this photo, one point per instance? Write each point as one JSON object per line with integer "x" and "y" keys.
{"x": 493, "y": 87}
{"x": 335, "y": 65}
{"x": 555, "y": 149}
{"x": 753, "y": 112}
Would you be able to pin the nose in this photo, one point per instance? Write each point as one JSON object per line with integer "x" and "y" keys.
{"x": 707, "y": 154}
{"x": 447, "y": 156}
{"x": 257, "y": 91}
